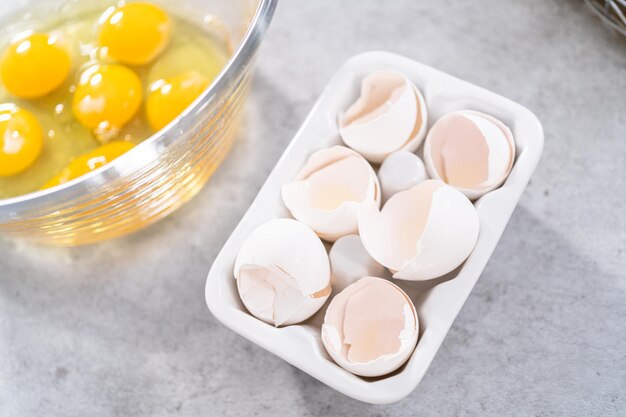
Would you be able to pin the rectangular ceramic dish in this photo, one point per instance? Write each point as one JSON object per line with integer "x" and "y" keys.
{"x": 437, "y": 303}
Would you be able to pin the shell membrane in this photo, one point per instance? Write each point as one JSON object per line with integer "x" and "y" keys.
{"x": 329, "y": 189}
{"x": 471, "y": 151}
{"x": 421, "y": 233}
{"x": 371, "y": 327}
{"x": 282, "y": 272}
{"x": 390, "y": 114}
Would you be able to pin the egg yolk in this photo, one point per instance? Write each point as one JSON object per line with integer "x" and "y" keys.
{"x": 107, "y": 96}
{"x": 134, "y": 33}
{"x": 21, "y": 139}
{"x": 89, "y": 162}
{"x": 168, "y": 98}
{"x": 34, "y": 65}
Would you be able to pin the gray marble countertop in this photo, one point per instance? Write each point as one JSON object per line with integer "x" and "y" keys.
{"x": 122, "y": 329}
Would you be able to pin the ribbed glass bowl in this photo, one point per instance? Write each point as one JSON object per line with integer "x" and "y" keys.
{"x": 167, "y": 169}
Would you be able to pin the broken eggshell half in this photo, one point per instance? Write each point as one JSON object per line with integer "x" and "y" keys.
{"x": 329, "y": 189}
{"x": 389, "y": 115}
{"x": 421, "y": 233}
{"x": 371, "y": 327}
{"x": 283, "y": 272}
{"x": 471, "y": 151}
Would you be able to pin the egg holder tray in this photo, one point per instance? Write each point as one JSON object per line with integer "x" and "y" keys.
{"x": 437, "y": 301}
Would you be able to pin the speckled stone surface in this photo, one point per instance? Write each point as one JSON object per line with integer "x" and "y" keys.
{"x": 121, "y": 328}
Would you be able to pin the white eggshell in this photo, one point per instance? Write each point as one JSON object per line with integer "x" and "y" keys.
{"x": 283, "y": 272}
{"x": 421, "y": 233}
{"x": 448, "y": 141}
{"x": 371, "y": 327}
{"x": 349, "y": 261}
{"x": 389, "y": 115}
{"x": 400, "y": 171}
{"x": 329, "y": 189}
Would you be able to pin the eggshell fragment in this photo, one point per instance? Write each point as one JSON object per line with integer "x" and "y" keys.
{"x": 471, "y": 151}
{"x": 421, "y": 233}
{"x": 283, "y": 272}
{"x": 329, "y": 189}
{"x": 389, "y": 115}
{"x": 400, "y": 171}
{"x": 349, "y": 261}
{"x": 371, "y": 327}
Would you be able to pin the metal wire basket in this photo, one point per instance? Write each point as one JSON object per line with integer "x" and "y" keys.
{"x": 612, "y": 12}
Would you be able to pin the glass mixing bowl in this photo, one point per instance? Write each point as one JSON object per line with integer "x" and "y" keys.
{"x": 167, "y": 169}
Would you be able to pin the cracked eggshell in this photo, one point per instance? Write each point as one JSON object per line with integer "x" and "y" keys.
{"x": 421, "y": 233}
{"x": 349, "y": 261}
{"x": 371, "y": 327}
{"x": 329, "y": 190}
{"x": 283, "y": 272}
{"x": 400, "y": 171}
{"x": 471, "y": 151}
{"x": 389, "y": 115}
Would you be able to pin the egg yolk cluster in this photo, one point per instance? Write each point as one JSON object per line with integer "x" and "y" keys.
{"x": 107, "y": 95}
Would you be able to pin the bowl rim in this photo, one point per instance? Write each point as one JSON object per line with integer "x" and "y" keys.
{"x": 151, "y": 148}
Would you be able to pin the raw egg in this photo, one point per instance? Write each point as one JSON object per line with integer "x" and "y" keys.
{"x": 89, "y": 162}
{"x": 168, "y": 98}
{"x": 371, "y": 327}
{"x": 389, "y": 115}
{"x": 471, "y": 151}
{"x": 329, "y": 189}
{"x": 421, "y": 233}
{"x": 21, "y": 139}
{"x": 107, "y": 97}
{"x": 34, "y": 65}
{"x": 282, "y": 272}
{"x": 134, "y": 33}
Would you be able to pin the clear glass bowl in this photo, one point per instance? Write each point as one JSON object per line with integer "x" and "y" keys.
{"x": 167, "y": 169}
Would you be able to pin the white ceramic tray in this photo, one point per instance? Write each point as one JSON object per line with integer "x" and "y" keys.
{"x": 439, "y": 301}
